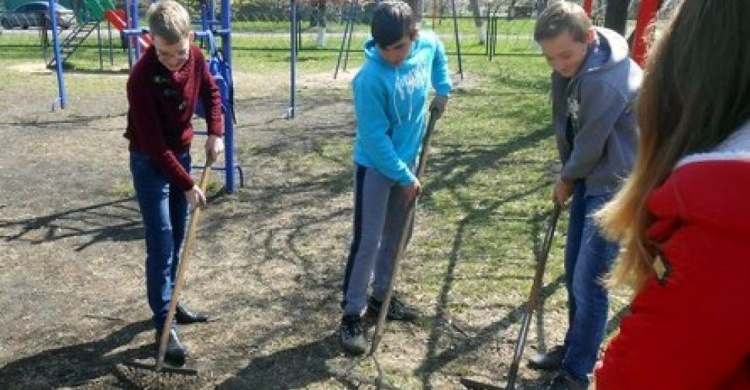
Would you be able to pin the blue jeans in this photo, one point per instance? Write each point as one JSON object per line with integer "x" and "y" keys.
{"x": 164, "y": 211}
{"x": 588, "y": 258}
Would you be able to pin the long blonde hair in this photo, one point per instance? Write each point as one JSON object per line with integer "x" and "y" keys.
{"x": 695, "y": 92}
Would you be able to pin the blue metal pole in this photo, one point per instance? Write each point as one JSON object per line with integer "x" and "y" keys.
{"x": 211, "y": 10}
{"x": 226, "y": 48}
{"x": 99, "y": 42}
{"x": 111, "y": 50}
{"x": 205, "y": 25}
{"x": 58, "y": 63}
{"x": 204, "y": 17}
{"x": 293, "y": 61}
{"x": 128, "y": 37}
{"x": 134, "y": 16}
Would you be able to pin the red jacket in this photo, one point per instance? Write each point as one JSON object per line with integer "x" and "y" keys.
{"x": 693, "y": 331}
{"x": 161, "y": 107}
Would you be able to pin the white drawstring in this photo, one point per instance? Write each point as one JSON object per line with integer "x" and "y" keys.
{"x": 395, "y": 102}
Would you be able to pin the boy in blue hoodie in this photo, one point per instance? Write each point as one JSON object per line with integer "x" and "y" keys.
{"x": 390, "y": 97}
{"x": 594, "y": 85}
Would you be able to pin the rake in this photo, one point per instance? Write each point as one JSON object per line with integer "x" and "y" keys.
{"x": 531, "y": 304}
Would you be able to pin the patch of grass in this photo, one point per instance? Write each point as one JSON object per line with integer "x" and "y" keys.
{"x": 213, "y": 187}
{"x": 123, "y": 189}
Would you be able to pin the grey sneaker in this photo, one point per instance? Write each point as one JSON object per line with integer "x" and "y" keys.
{"x": 397, "y": 310}
{"x": 352, "y": 335}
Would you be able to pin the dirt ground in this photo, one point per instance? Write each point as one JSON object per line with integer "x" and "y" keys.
{"x": 268, "y": 262}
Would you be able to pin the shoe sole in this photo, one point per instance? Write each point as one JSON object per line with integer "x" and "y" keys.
{"x": 371, "y": 313}
{"x": 356, "y": 351}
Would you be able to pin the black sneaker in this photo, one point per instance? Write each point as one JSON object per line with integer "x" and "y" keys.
{"x": 564, "y": 381}
{"x": 550, "y": 361}
{"x": 397, "y": 310}
{"x": 352, "y": 335}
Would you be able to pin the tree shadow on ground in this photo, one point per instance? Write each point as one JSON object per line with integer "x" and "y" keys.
{"x": 75, "y": 365}
{"x": 293, "y": 368}
{"x": 116, "y": 220}
{"x": 454, "y": 168}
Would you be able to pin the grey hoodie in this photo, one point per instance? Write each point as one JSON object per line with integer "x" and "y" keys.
{"x": 594, "y": 117}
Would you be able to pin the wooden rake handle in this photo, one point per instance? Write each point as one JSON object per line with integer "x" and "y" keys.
{"x": 182, "y": 268}
{"x": 531, "y": 303}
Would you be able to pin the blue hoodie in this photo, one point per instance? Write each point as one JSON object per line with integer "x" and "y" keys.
{"x": 390, "y": 105}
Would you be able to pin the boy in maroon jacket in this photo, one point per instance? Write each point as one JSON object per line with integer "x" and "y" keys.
{"x": 163, "y": 88}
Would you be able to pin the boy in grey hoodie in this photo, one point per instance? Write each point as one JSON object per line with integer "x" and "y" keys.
{"x": 594, "y": 85}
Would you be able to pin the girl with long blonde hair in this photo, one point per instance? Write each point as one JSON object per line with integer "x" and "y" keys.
{"x": 683, "y": 216}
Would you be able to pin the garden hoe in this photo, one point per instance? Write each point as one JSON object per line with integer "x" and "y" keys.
{"x": 531, "y": 304}
{"x": 380, "y": 325}
{"x": 160, "y": 366}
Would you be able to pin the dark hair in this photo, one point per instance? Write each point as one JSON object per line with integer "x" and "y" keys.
{"x": 391, "y": 21}
{"x": 561, "y": 17}
{"x": 694, "y": 95}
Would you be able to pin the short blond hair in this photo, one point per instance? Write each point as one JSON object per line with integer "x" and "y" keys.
{"x": 562, "y": 17}
{"x": 169, "y": 20}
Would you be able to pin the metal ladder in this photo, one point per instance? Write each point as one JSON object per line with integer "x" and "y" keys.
{"x": 74, "y": 40}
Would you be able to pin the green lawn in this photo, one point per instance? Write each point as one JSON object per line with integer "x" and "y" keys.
{"x": 513, "y": 37}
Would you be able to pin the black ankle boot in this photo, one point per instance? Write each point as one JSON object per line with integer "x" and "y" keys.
{"x": 183, "y": 316}
{"x": 550, "y": 361}
{"x": 176, "y": 352}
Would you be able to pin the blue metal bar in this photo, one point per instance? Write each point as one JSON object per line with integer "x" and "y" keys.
{"x": 293, "y": 62}
{"x": 211, "y": 10}
{"x": 208, "y": 21}
{"x": 204, "y": 18}
{"x": 134, "y": 26}
{"x": 99, "y": 43}
{"x": 58, "y": 63}
{"x": 136, "y": 32}
{"x": 226, "y": 30}
{"x": 202, "y": 34}
{"x": 127, "y": 33}
{"x": 226, "y": 48}
{"x": 111, "y": 51}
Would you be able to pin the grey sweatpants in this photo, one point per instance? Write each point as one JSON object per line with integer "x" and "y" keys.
{"x": 379, "y": 217}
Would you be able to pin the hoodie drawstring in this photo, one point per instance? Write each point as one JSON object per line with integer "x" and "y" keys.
{"x": 395, "y": 101}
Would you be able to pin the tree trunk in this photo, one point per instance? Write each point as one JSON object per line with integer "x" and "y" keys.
{"x": 319, "y": 20}
{"x": 512, "y": 10}
{"x": 416, "y": 8}
{"x": 616, "y": 15}
{"x": 478, "y": 21}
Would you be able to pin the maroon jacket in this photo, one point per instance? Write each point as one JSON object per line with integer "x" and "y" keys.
{"x": 161, "y": 106}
